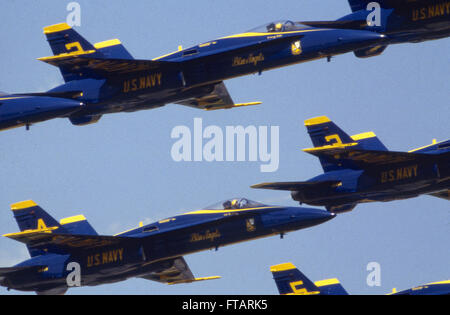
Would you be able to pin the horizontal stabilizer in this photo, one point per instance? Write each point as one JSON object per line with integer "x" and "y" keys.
{"x": 174, "y": 271}
{"x": 342, "y": 24}
{"x": 297, "y": 186}
{"x": 366, "y": 158}
{"x": 217, "y": 98}
{"x": 102, "y": 67}
{"x": 445, "y": 194}
{"x": 45, "y": 238}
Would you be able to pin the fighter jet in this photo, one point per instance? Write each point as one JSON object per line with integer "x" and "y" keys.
{"x": 105, "y": 78}
{"x": 360, "y": 169}
{"x": 291, "y": 281}
{"x": 403, "y": 21}
{"x": 70, "y": 252}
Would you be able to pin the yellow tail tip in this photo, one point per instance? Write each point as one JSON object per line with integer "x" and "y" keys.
{"x": 282, "y": 267}
{"x": 56, "y": 28}
{"x": 317, "y": 121}
{"x": 23, "y": 205}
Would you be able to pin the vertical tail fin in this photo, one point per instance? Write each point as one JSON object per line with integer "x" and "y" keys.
{"x": 325, "y": 133}
{"x": 291, "y": 281}
{"x": 30, "y": 216}
{"x": 66, "y": 42}
{"x": 358, "y": 5}
{"x": 77, "y": 225}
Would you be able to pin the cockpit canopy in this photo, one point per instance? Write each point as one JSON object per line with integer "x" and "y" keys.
{"x": 279, "y": 26}
{"x": 235, "y": 204}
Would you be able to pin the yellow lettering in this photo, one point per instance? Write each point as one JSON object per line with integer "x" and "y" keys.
{"x": 159, "y": 75}
{"x": 76, "y": 45}
{"x": 126, "y": 86}
{"x": 90, "y": 261}
{"x": 399, "y": 174}
{"x": 97, "y": 259}
{"x": 384, "y": 176}
{"x": 41, "y": 224}
{"x": 423, "y": 13}
{"x": 334, "y": 137}
{"x": 104, "y": 258}
{"x": 142, "y": 83}
{"x": 134, "y": 85}
{"x": 391, "y": 175}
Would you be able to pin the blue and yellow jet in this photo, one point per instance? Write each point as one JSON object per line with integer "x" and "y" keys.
{"x": 403, "y": 21}
{"x": 153, "y": 252}
{"x": 104, "y": 78}
{"x": 291, "y": 281}
{"x": 360, "y": 169}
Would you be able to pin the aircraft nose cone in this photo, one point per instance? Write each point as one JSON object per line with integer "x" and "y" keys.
{"x": 313, "y": 216}
{"x": 321, "y": 215}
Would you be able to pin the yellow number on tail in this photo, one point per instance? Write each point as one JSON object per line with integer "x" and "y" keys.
{"x": 334, "y": 137}
{"x": 76, "y": 45}
{"x": 41, "y": 225}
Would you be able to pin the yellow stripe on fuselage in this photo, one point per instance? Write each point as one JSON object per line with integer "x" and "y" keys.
{"x": 226, "y": 211}
{"x": 12, "y": 98}
{"x": 256, "y": 34}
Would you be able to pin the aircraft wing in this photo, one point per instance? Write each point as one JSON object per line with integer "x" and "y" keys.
{"x": 342, "y": 24}
{"x": 216, "y": 98}
{"x": 103, "y": 67}
{"x": 297, "y": 186}
{"x": 45, "y": 238}
{"x": 367, "y": 158}
{"x": 445, "y": 194}
{"x": 174, "y": 271}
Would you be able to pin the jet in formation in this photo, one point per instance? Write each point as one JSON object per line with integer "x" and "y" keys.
{"x": 104, "y": 78}
{"x": 291, "y": 281}
{"x": 60, "y": 250}
{"x": 402, "y": 21}
{"x": 360, "y": 169}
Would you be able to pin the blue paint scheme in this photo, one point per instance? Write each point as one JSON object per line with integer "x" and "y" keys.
{"x": 16, "y": 110}
{"x": 152, "y": 252}
{"x": 363, "y": 170}
{"x": 107, "y": 79}
{"x": 403, "y": 21}
{"x": 291, "y": 281}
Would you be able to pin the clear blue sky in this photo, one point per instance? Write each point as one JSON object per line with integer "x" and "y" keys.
{"x": 119, "y": 171}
